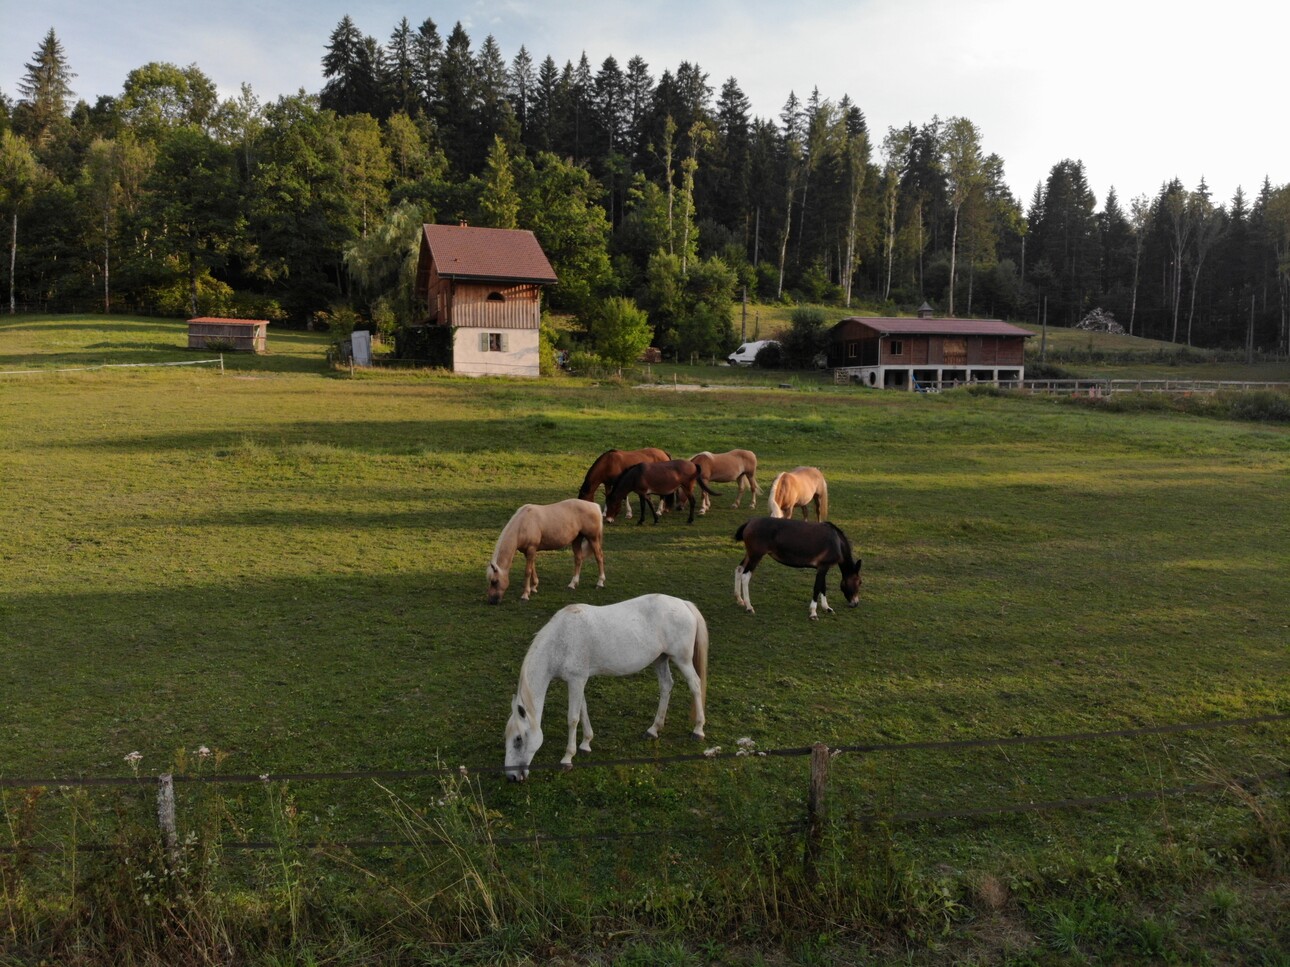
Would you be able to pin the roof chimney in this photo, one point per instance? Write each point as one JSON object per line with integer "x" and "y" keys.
{"x": 925, "y": 311}
{"x": 462, "y": 224}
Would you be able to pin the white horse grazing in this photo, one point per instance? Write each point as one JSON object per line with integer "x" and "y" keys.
{"x": 798, "y": 488}
{"x": 729, "y": 467}
{"x": 546, "y": 527}
{"x": 616, "y": 639}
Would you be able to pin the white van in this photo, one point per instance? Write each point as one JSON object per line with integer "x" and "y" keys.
{"x": 746, "y": 354}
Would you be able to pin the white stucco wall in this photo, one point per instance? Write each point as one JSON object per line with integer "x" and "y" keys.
{"x": 519, "y": 359}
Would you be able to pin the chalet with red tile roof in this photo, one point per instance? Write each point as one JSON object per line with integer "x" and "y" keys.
{"x": 487, "y": 284}
{"x": 925, "y": 352}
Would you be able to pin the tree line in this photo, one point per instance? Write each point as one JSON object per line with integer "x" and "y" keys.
{"x": 661, "y": 200}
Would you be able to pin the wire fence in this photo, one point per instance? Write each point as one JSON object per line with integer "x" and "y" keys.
{"x": 811, "y": 825}
{"x": 86, "y": 369}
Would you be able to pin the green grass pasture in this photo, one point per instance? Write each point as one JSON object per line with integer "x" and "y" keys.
{"x": 287, "y": 567}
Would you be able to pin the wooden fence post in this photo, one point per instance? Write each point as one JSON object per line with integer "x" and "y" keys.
{"x": 166, "y": 817}
{"x": 815, "y": 811}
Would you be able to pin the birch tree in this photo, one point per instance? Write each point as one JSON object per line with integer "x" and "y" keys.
{"x": 961, "y": 157}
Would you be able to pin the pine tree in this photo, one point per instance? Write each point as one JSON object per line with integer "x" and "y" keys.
{"x": 521, "y": 81}
{"x": 44, "y": 90}
{"x": 401, "y": 74}
{"x": 427, "y": 56}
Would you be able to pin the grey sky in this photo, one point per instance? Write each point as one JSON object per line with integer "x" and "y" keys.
{"x": 1140, "y": 91}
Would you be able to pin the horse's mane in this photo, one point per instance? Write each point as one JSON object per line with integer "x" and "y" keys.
{"x": 586, "y": 481}
{"x": 506, "y": 539}
{"x": 625, "y": 481}
{"x": 842, "y": 539}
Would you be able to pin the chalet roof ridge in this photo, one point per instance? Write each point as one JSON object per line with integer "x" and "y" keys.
{"x": 923, "y": 325}
{"x": 479, "y": 253}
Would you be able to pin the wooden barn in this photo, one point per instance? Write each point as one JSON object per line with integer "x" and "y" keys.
{"x": 212, "y": 333}
{"x": 487, "y": 284}
{"x": 925, "y": 352}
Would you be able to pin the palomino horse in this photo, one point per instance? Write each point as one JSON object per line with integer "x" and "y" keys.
{"x": 669, "y": 478}
{"x": 609, "y": 466}
{"x": 617, "y": 639}
{"x": 797, "y": 488}
{"x": 798, "y": 543}
{"x": 729, "y": 467}
{"x": 545, "y": 527}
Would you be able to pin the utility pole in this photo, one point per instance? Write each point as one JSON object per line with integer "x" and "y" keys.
{"x": 743, "y": 321}
{"x": 1043, "y": 340}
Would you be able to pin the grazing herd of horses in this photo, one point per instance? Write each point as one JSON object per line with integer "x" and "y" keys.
{"x": 653, "y": 629}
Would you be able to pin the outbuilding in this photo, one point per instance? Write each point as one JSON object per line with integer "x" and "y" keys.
{"x": 485, "y": 283}
{"x": 926, "y": 352}
{"x": 213, "y": 333}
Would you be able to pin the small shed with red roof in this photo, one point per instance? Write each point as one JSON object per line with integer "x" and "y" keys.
{"x": 926, "y": 352}
{"x": 214, "y": 334}
{"x": 486, "y": 283}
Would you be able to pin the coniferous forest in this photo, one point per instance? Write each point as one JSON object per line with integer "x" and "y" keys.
{"x": 654, "y": 184}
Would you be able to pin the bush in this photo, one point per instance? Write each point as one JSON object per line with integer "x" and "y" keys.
{"x": 1262, "y": 406}
{"x": 620, "y": 330}
{"x": 770, "y": 356}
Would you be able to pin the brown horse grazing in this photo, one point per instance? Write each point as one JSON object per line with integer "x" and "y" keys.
{"x": 668, "y": 478}
{"x": 545, "y": 527}
{"x": 798, "y": 543}
{"x": 609, "y": 466}
{"x": 729, "y": 467}
{"x": 798, "y": 488}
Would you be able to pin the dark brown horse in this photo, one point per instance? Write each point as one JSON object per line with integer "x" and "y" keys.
{"x": 673, "y": 479}
{"x": 609, "y": 466}
{"x": 798, "y": 543}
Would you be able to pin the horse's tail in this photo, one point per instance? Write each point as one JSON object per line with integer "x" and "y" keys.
{"x": 822, "y": 508}
{"x": 739, "y": 534}
{"x": 698, "y": 478}
{"x": 588, "y": 489}
{"x": 774, "y": 496}
{"x": 700, "y": 662}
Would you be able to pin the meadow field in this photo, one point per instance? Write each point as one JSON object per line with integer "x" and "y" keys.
{"x": 284, "y": 565}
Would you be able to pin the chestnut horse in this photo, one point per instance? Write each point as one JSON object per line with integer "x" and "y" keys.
{"x": 729, "y": 467}
{"x": 798, "y": 543}
{"x": 798, "y": 488}
{"x": 669, "y": 479}
{"x": 609, "y": 465}
{"x": 545, "y": 527}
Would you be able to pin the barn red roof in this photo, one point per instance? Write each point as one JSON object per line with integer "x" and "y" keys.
{"x": 464, "y": 252}
{"x": 908, "y": 326}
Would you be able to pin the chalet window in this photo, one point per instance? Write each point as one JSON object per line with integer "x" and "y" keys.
{"x": 496, "y": 297}
{"x": 896, "y": 347}
{"x": 493, "y": 342}
{"x": 851, "y": 350}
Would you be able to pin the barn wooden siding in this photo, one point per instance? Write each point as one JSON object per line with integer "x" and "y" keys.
{"x": 953, "y": 351}
{"x": 245, "y": 335}
{"x": 495, "y": 305}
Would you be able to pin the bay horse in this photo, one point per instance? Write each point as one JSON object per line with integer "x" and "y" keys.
{"x": 798, "y": 543}
{"x": 729, "y": 467}
{"x": 798, "y": 488}
{"x": 672, "y": 479}
{"x": 617, "y": 639}
{"x": 545, "y": 527}
{"x": 607, "y": 467}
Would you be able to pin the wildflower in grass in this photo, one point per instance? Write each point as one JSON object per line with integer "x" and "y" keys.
{"x": 204, "y": 753}
{"x": 264, "y": 777}
{"x": 712, "y": 753}
{"x": 746, "y": 746}
{"x": 133, "y": 759}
